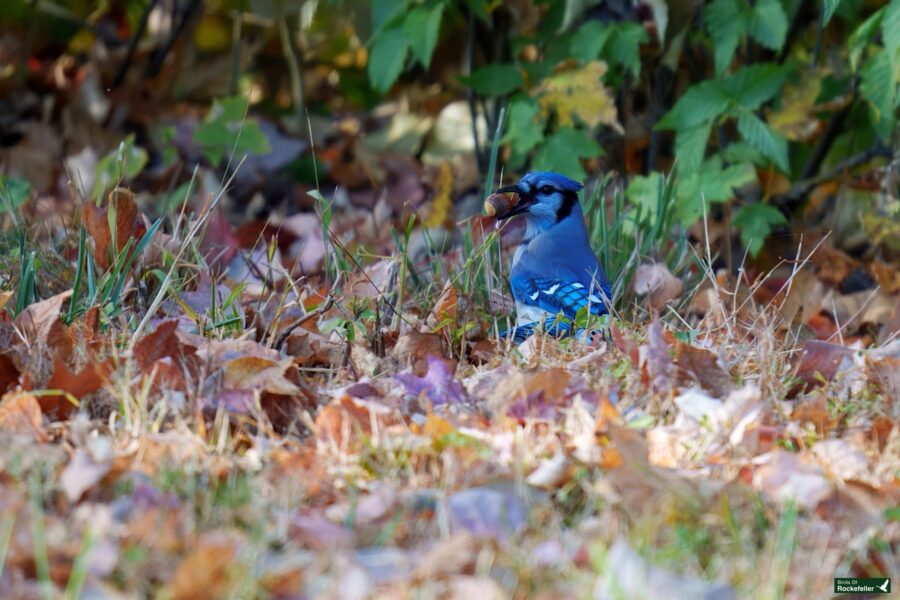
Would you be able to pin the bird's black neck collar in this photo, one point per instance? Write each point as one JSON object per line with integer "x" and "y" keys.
{"x": 569, "y": 199}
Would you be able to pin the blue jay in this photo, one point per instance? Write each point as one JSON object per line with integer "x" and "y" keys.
{"x": 554, "y": 273}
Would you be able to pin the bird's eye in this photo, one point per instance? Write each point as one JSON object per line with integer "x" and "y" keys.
{"x": 546, "y": 189}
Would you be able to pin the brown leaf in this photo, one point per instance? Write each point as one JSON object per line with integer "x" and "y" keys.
{"x": 79, "y": 384}
{"x": 88, "y": 466}
{"x": 344, "y": 420}
{"x": 310, "y": 349}
{"x": 207, "y": 570}
{"x": 656, "y": 280}
{"x": 129, "y": 225}
{"x": 820, "y": 361}
{"x": 817, "y": 413}
{"x": 9, "y": 373}
{"x": 444, "y": 317}
{"x": 37, "y": 320}
{"x": 887, "y": 275}
{"x": 219, "y": 244}
{"x": 702, "y": 366}
{"x": 413, "y": 349}
{"x": 20, "y": 413}
{"x": 551, "y": 383}
{"x": 253, "y": 372}
{"x": 785, "y": 477}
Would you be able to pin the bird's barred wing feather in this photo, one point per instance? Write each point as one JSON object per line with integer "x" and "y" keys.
{"x": 555, "y": 296}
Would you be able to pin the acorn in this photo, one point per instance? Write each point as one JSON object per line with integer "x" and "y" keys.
{"x": 500, "y": 205}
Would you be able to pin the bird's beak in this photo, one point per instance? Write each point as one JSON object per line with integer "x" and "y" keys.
{"x": 502, "y": 206}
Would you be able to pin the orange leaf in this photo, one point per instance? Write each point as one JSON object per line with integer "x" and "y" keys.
{"x": 129, "y": 224}
{"x": 207, "y": 570}
{"x": 20, "y": 413}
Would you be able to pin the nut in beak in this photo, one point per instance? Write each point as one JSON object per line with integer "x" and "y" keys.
{"x": 500, "y": 204}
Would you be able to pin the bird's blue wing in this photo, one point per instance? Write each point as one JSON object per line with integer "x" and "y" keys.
{"x": 556, "y": 296}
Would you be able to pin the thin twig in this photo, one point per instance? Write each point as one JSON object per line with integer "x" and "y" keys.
{"x": 324, "y": 307}
{"x": 802, "y": 187}
{"x": 133, "y": 43}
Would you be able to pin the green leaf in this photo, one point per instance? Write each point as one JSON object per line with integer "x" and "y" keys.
{"x": 495, "y": 80}
{"x": 768, "y": 24}
{"x": 228, "y": 131}
{"x": 862, "y": 37}
{"x": 422, "y": 26}
{"x": 725, "y": 23}
{"x": 124, "y": 163}
{"x": 384, "y": 11}
{"x": 624, "y": 46}
{"x": 525, "y": 131}
{"x": 690, "y": 146}
{"x": 759, "y": 135}
{"x": 562, "y": 150}
{"x": 710, "y": 183}
{"x": 13, "y": 193}
{"x": 752, "y": 86}
{"x": 643, "y": 192}
{"x": 387, "y": 57}
{"x": 755, "y": 221}
{"x": 478, "y": 8}
{"x": 828, "y": 8}
{"x": 701, "y": 104}
{"x": 878, "y": 86}
{"x": 586, "y": 43}
{"x": 890, "y": 32}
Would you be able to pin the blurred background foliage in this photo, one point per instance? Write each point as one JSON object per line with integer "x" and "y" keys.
{"x": 767, "y": 112}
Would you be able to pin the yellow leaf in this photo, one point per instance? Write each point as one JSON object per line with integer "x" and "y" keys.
{"x": 440, "y": 207}
{"x": 579, "y": 94}
{"x": 796, "y": 118}
{"x": 212, "y": 34}
{"x": 436, "y": 427}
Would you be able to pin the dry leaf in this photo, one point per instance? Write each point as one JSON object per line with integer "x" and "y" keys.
{"x": 253, "y": 372}
{"x": 207, "y": 571}
{"x": 656, "y": 280}
{"x": 129, "y": 225}
{"x": 88, "y": 466}
{"x": 785, "y": 477}
{"x": 703, "y": 366}
{"x": 20, "y": 413}
{"x": 37, "y": 320}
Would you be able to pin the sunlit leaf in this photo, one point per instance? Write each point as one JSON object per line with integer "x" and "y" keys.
{"x": 579, "y": 95}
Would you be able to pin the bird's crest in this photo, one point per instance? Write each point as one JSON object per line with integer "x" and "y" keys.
{"x": 537, "y": 179}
